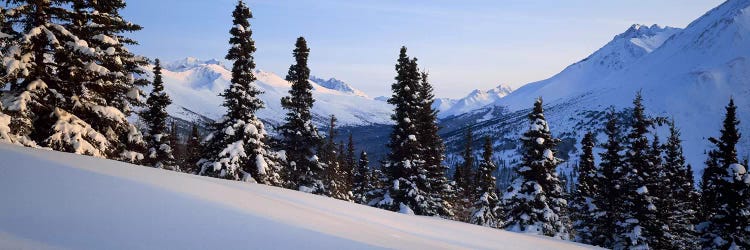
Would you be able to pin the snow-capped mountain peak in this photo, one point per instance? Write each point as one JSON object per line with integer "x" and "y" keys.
{"x": 189, "y": 63}
{"x": 338, "y": 85}
{"x": 195, "y": 85}
{"x": 475, "y": 99}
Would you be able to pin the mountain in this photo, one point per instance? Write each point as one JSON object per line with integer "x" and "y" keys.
{"x": 90, "y": 203}
{"x": 686, "y": 74}
{"x": 338, "y": 85}
{"x": 474, "y": 100}
{"x": 195, "y": 85}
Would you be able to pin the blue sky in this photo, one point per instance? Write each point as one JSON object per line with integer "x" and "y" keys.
{"x": 464, "y": 45}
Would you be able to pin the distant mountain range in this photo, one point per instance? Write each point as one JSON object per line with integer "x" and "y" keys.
{"x": 687, "y": 74}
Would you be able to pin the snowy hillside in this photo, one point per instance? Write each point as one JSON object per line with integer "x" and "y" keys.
{"x": 687, "y": 74}
{"x": 195, "y": 85}
{"x": 476, "y": 99}
{"x": 54, "y": 200}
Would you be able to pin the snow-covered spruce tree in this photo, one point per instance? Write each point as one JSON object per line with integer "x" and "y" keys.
{"x": 437, "y": 183}
{"x": 349, "y": 163}
{"x": 178, "y": 148}
{"x": 485, "y": 209}
{"x": 106, "y": 86}
{"x": 584, "y": 210}
{"x": 611, "y": 190}
{"x": 193, "y": 152}
{"x": 299, "y": 137}
{"x": 464, "y": 174}
{"x": 329, "y": 158}
{"x": 464, "y": 180}
{"x": 681, "y": 210}
{"x": 534, "y": 202}
{"x": 404, "y": 191}
{"x": 160, "y": 152}
{"x": 62, "y": 92}
{"x": 361, "y": 179}
{"x": 236, "y": 149}
{"x": 637, "y": 227}
{"x": 727, "y": 222}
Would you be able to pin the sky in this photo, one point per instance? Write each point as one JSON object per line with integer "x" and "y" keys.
{"x": 464, "y": 45}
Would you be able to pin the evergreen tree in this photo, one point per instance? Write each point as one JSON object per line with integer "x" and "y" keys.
{"x": 584, "y": 210}
{"x": 329, "y": 157}
{"x": 534, "y": 202}
{"x": 437, "y": 184}
{"x": 361, "y": 179}
{"x": 63, "y": 94}
{"x": 193, "y": 152}
{"x": 178, "y": 149}
{"x": 638, "y": 226}
{"x": 612, "y": 186}
{"x": 484, "y": 211}
{"x": 405, "y": 168}
{"x": 464, "y": 175}
{"x": 160, "y": 152}
{"x": 681, "y": 208}
{"x": 300, "y": 138}
{"x": 348, "y": 166}
{"x": 237, "y": 149}
{"x": 726, "y": 186}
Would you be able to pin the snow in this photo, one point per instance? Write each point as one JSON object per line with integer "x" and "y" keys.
{"x": 540, "y": 141}
{"x": 195, "y": 85}
{"x": 412, "y": 137}
{"x": 474, "y": 100}
{"x": 642, "y": 190}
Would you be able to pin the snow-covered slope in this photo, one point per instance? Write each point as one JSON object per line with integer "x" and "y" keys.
{"x": 476, "y": 99}
{"x": 54, "y": 200}
{"x": 195, "y": 85}
{"x": 687, "y": 74}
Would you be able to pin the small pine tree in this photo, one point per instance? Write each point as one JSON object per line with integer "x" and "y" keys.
{"x": 485, "y": 209}
{"x": 534, "y": 202}
{"x": 236, "y": 149}
{"x": 362, "y": 179}
{"x": 193, "y": 152}
{"x": 299, "y": 137}
{"x": 612, "y": 181}
{"x": 584, "y": 210}
{"x": 681, "y": 210}
{"x": 726, "y": 191}
{"x": 464, "y": 175}
{"x": 160, "y": 152}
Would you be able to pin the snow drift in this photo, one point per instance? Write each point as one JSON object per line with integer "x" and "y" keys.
{"x": 60, "y": 200}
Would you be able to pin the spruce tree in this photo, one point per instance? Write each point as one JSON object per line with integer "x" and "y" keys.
{"x": 681, "y": 209}
{"x": 300, "y": 138}
{"x": 437, "y": 183}
{"x": 193, "y": 152}
{"x": 361, "y": 179}
{"x": 612, "y": 185}
{"x": 726, "y": 187}
{"x": 464, "y": 175}
{"x": 485, "y": 209}
{"x": 405, "y": 167}
{"x": 534, "y": 202}
{"x": 160, "y": 152}
{"x": 236, "y": 149}
{"x": 638, "y": 226}
{"x": 584, "y": 210}
{"x": 329, "y": 158}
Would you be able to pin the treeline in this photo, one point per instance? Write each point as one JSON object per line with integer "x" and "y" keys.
{"x": 70, "y": 86}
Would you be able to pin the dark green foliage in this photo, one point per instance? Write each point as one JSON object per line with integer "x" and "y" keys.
{"x": 485, "y": 208}
{"x": 726, "y": 191}
{"x": 236, "y": 149}
{"x": 362, "y": 179}
{"x": 160, "y": 152}
{"x": 193, "y": 151}
{"x": 299, "y": 138}
{"x": 680, "y": 206}
{"x": 584, "y": 211}
{"x": 534, "y": 203}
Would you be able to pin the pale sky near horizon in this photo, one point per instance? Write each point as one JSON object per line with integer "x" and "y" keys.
{"x": 468, "y": 45}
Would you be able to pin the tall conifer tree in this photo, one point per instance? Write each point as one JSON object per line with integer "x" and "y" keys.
{"x": 584, "y": 209}
{"x": 160, "y": 152}
{"x": 485, "y": 209}
{"x": 726, "y": 186}
{"x": 681, "y": 210}
{"x": 534, "y": 202}
{"x": 300, "y": 138}
{"x": 236, "y": 149}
